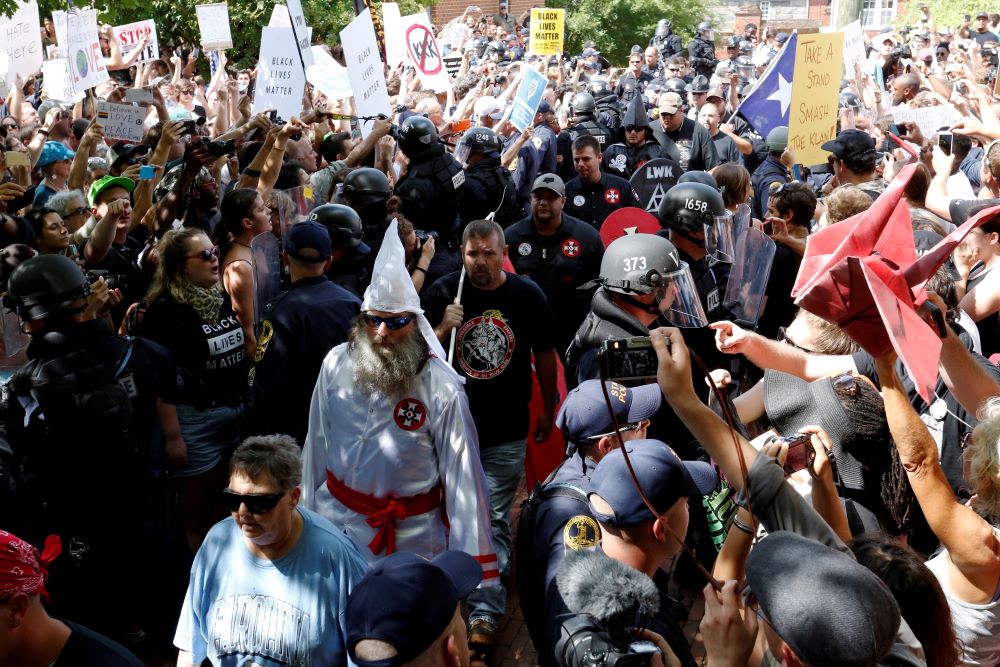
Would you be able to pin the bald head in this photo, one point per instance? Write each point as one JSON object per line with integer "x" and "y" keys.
{"x": 905, "y": 87}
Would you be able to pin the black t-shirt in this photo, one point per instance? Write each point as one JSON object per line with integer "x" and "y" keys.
{"x": 780, "y": 308}
{"x": 493, "y": 349}
{"x": 984, "y": 37}
{"x": 86, "y": 648}
{"x": 122, "y": 265}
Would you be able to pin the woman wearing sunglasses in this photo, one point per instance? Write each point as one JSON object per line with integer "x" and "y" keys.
{"x": 190, "y": 314}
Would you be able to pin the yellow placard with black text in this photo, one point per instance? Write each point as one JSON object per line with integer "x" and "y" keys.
{"x": 815, "y": 88}
{"x": 547, "y": 31}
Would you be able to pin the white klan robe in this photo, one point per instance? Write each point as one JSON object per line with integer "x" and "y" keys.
{"x": 401, "y": 446}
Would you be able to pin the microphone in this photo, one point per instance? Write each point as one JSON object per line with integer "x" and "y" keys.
{"x": 592, "y": 583}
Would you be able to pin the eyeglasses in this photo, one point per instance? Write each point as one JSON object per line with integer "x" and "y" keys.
{"x": 675, "y": 69}
{"x": 185, "y": 92}
{"x": 257, "y": 503}
{"x": 624, "y": 429}
{"x": 391, "y": 323}
{"x": 10, "y": 126}
{"x": 783, "y": 338}
{"x": 634, "y": 128}
{"x": 78, "y": 211}
{"x": 207, "y": 255}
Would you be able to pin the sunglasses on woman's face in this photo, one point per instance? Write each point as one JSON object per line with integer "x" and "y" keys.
{"x": 207, "y": 255}
{"x": 391, "y": 323}
{"x": 257, "y": 503}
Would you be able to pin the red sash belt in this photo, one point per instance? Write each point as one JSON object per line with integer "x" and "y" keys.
{"x": 383, "y": 513}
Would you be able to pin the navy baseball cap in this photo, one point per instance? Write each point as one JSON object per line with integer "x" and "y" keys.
{"x": 309, "y": 236}
{"x": 664, "y": 479}
{"x": 407, "y": 601}
{"x": 544, "y": 107}
{"x": 584, "y": 413}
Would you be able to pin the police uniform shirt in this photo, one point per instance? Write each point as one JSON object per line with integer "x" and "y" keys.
{"x": 524, "y": 170}
{"x": 544, "y": 140}
{"x": 594, "y": 202}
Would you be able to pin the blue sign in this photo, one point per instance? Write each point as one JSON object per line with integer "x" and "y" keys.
{"x": 529, "y": 96}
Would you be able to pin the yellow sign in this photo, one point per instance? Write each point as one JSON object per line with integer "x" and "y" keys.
{"x": 546, "y": 31}
{"x": 815, "y": 87}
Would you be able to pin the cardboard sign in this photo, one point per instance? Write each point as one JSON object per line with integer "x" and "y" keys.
{"x": 928, "y": 119}
{"x": 424, "y": 52}
{"x": 22, "y": 41}
{"x": 213, "y": 22}
{"x": 529, "y": 96}
{"x": 854, "y": 48}
{"x": 303, "y": 34}
{"x": 812, "y": 119}
{"x": 83, "y": 50}
{"x": 280, "y": 79}
{"x": 364, "y": 68}
{"x": 547, "y": 27}
{"x": 460, "y": 34}
{"x": 392, "y": 22}
{"x": 328, "y": 76}
{"x": 130, "y": 35}
{"x": 56, "y": 81}
{"x": 121, "y": 121}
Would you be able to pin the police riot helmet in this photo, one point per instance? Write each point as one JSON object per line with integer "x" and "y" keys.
{"x": 849, "y": 100}
{"x": 675, "y": 85}
{"x": 746, "y": 47}
{"x": 583, "y": 103}
{"x": 46, "y": 285}
{"x": 341, "y": 222}
{"x": 745, "y": 66}
{"x": 733, "y": 42}
{"x": 480, "y": 44}
{"x": 698, "y": 177}
{"x": 416, "y": 135}
{"x": 365, "y": 185}
{"x": 477, "y": 140}
{"x": 705, "y": 29}
{"x": 598, "y": 87}
{"x": 690, "y": 206}
{"x": 663, "y": 27}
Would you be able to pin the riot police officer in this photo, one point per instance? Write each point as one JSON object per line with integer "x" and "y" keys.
{"x": 367, "y": 190}
{"x": 488, "y": 185}
{"x": 637, "y": 147}
{"x": 607, "y": 104}
{"x": 430, "y": 191}
{"x": 556, "y": 518}
{"x": 80, "y": 417}
{"x": 701, "y": 51}
{"x": 349, "y": 256}
{"x": 586, "y": 121}
{"x": 732, "y": 53}
{"x": 665, "y": 41}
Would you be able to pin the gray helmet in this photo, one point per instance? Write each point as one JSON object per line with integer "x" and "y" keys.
{"x": 699, "y": 84}
{"x": 690, "y": 207}
{"x": 704, "y": 27}
{"x": 46, "y": 285}
{"x": 745, "y": 66}
{"x": 663, "y": 27}
{"x": 416, "y": 135}
{"x": 746, "y": 47}
{"x": 675, "y": 85}
{"x": 365, "y": 185}
{"x": 633, "y": 263}
{"x": 733, "y": 42}
{"x": 698, "y": 177}
{"x": 342, "y": 224}
{"x": 583, "y": 103}
{"x": 849, "y": 100}
{"x": 477, "y": 140}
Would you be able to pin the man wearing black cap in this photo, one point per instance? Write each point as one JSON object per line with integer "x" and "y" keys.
{"x": 407, "y": 610}
{"x": 853, "y": 157}
{"x": 557, "y": 251}
{"x": 123, "y": 155}
{"x": 301, "y": 326}
{"x": 981, "y": 32}
{"x": 556, "y": 519}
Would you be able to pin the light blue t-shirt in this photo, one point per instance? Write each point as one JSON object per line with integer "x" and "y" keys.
{"x": 242, "y": 610}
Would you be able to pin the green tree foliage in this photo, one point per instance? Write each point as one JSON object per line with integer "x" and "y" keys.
{"x": 945, "y": 12}
{"x": 615, "y": 25}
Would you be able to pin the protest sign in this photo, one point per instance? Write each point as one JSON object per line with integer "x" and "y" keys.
{"x": 83, "y": 50}
{"x": 22, "y": 41}
{"x": 854, "y": 48}
{"x": 281, "y": 19}
{"x": 121, "y": 121}
{"x": 547, "y": 31}
{"x": 460, "y": 34}
{"x": 928, "y": 119}
{"x": 280, "y": 79}
{"x": 392, "y": 23}
{"x": 364, "y": 68}
{"x": 529, "y": 96}
{"x": 213, "y": 22}
{"x": 5, "y": 78}
{"x": 56, "y": 81}
{"x": 328, "y": 76}
{"x": 424, "y": 53}
{"x": 813, "y": 118}
{"x": 303, "y": 34}
{"x": 129, "y": 37}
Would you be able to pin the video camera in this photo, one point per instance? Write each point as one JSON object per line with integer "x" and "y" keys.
{"x": 584, "y": 642}
{"x": 114, "y": 280}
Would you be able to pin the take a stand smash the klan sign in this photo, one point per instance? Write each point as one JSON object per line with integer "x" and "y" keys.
{"x": 813, "y": 121}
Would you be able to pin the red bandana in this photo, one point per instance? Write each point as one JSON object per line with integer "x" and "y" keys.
{"x": 21, "y": 568}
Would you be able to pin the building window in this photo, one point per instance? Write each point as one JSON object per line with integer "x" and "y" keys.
{"x": 765, "y": 10}
{"x": 878, "y": 13}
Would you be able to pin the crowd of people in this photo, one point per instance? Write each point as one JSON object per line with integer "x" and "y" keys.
{"x": 271, "y": 384}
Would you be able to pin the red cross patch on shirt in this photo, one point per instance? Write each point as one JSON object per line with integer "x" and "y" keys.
{"x": 571, "y": 247}
{"x": 409, "y": 414}
{"x": 611, "y": 195}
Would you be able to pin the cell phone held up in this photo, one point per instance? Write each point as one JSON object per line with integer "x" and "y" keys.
{"x": 800, "y": 451}
{"x": 945, "y": 140}
{"x": 628, "y": 359}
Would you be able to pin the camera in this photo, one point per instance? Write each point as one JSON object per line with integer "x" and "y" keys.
{"x": 114, "y": 280}
{"x": 278, "y": 121}
{"x": 184, "y": 52}
{"x": 989, "y": 56}
{"x": 584, "y": 643}
{"x": 423, "y": 236}
{"x": 220, "y": 148}
{"x": 628, "y": 359}
{"x": 800, "y": 451}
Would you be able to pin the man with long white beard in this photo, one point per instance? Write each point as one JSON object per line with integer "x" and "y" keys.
{"x": 392, "y": 455}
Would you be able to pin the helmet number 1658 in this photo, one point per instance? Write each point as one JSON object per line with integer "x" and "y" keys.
{"x": 696, "y": 205}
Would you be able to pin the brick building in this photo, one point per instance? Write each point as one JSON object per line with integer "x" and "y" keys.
{"x": 804, "y": 15}
{"x": 446, "y": 10}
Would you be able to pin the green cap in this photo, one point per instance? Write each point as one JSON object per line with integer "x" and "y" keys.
{"x": 777, "y": 139}
{"x": 105, "y": 182}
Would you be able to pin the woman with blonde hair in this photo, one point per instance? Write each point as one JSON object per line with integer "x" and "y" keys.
{"x": 190, "y": 314}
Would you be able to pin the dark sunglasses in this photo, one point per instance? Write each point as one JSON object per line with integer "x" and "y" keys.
{"x": 207, "y": 255}
{"x": 783, "y": 338}
{"x": 391, "y": 323}
{"x": 257, "y": 503}
{"x": 845, "y": 383}
{"x": 634, "y": 128}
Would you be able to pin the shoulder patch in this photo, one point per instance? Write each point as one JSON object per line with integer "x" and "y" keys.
{"x": 581, "y": 533}
{"x": 266, "y": 331}
{"x": 458, "y": 179}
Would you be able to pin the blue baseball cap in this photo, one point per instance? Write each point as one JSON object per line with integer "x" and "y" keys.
{"x": 53, "y": 151}
{"x": 584, "y": 413}
{"x": 407, "y": 601}
{"x": 664, "y": 478}
{"x": 309, "y": 235}
{"x": 544, "y": 107}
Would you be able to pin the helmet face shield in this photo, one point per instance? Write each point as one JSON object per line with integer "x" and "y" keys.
{"x": 678, "y": 299}
{"x": 720, "y": 238}
{"x": 462, "y": 152}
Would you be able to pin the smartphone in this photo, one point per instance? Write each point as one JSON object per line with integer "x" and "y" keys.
{"x": 800, "y": 452}
{"x": 944, "y": 142}
{"x": 17, "y": 159}
{"x": 147, "y": 172}
{"x": 767, "y": 227}
{"x": 628, "y": 359}
{"x": 461, "y": 125}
